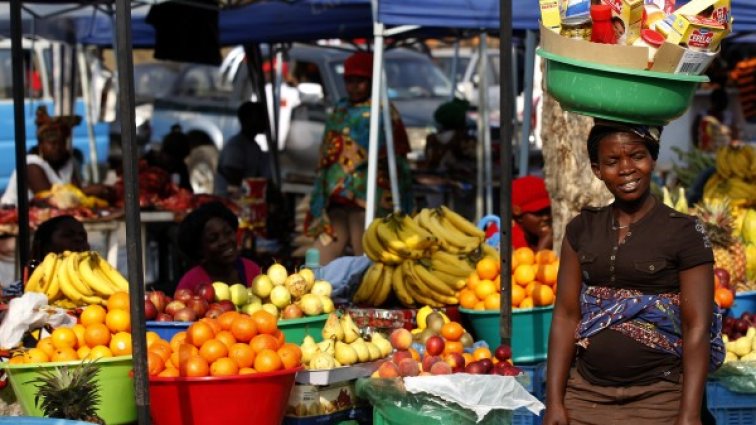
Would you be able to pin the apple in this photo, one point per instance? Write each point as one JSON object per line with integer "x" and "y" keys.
{"x": 262, "y": 285}
{"x": 164, "y": 317}
{"x": 742, "y": 326}
{"x": 277, "y": 274}
{"x": 322, "y": 287}
{"x": 435, "y": 345}
{"x": 150, "y": 312}
{"x": 174, "y": 306}
{"x": 388, "y": 369}
{"x": 487, "y": 365}
{"x": 401, "y": 339}
{"x": 408, "y": 367}
{"x": 501, "y": 368}
{"x": 503, "y": 352}
{"x": 186, "y": 314}
{"x": 512, "y": 370}
{"x": 226, "y": 305}
{"x": 198, "y": 304}
{"x": 723, "y": 276}
{"x": 440, "y": 368}
{"x": 270, "y": 308}
{"x": 239, "y": 294}
{"x": 400, "y": 355}
{"x": 456, "y": 361}
{"x": 213, "y": 312}
{"x": 183, "y": 295}
{"x": 250, "y": 309}
{"x": 207, "y": 292}
{"x": 280, "y": 296}
{"x": 429, "y": 361}
{"x": 476, "y": 368}
{"x": 221, "y": 291}
{"x": 158, "y": 299}
{"x": 292, "y": 311}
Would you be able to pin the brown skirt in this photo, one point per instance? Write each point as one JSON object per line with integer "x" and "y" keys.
{"x": 589, "y": 404}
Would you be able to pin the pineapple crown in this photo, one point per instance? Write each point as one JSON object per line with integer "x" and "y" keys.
{"x": 69, "y": 392}
{"x": 717, "y": 220}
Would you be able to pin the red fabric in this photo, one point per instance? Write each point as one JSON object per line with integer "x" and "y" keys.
{"x": 197, "y": 275}
{"x": 518, "y": 237}
{"x": 529, "y": 194}
{"x": 359, "y": 64}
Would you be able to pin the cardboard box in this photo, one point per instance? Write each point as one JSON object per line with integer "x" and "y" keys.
{"x": 630, "y": 12}
{"x": 721, "y": 10}
{"x": 692, "y": 31}
{"x": 313, "y": 400}
{"x": 669, "y": 58}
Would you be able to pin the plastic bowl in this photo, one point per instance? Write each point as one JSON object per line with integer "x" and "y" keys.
{"x": 259, "y": 399}
{"x": 618, "y": 94}
{"x": 296, "y": 329}
{"x": 166, "y": 330}
{"x": 744, "y": 302}
{"x": 530, "y": 331}
{"x": 117, "y": 404}
{"x": 29, "y": 420}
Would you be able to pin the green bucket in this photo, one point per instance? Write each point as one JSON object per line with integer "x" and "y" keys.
{"x": 530, "y": 331}
{"x": 117, "y": 401}
{"x": 618, "y": 94}
{"x": 296, "y": 329}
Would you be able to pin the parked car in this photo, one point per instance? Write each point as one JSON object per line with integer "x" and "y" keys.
{"x": 467, "y": 79}
{"x": 38, "y": 91}
{"x": 204, "y": 101}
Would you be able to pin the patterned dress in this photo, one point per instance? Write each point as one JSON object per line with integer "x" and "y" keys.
{"x": 342, "y": 171}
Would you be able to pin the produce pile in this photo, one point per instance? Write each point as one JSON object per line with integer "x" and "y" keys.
{"x": 76, "y": 278}
{"x": 422, "y": 260}
{"x": 735, "y": 177}
{"x": 740, "y": 338}
{"x": 69, "y": 196}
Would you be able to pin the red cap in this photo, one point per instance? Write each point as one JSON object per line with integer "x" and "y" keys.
{"x": 652, "y": 37}
{"x": 359, "y": 64}
{"x": 601, "y": 12}
{"x": 529, "y": 194}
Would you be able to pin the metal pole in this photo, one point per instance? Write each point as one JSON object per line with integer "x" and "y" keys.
{"x": 131, "y": 204}
{"x": 19, "y": 121}
{"x": 484, "y": 125}
{"x": 254, "y": 61}
{"x": 85, "y": 84}
{"x": 276, "y": 86}
{"x": 527, "y": 110}
{"x": 454, "y": 68}
{"x": 505, "y": 52}
{"x": 480, "y": 182}
{"x": 375, "y": 97}
{"x": 390, "y": 148}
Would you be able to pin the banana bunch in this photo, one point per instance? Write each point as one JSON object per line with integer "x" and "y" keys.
{"x": 680, "y": 205}
{"x": 736, "y": 161}
{"x": 422, "y": 261}
{"x": 65, "y": 196}
{"x": 733, "y": 188}
{"x": 76, "y": 278}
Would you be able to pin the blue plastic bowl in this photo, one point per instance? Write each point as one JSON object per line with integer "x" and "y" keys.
{"x": 744, "y": 302}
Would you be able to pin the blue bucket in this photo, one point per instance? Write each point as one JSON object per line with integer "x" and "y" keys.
{"x": 744, "y": 302}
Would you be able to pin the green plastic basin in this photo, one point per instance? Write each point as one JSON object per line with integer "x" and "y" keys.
{"x": 618, "y": 94}
{"x": 117, "y": 401}
{"x": 296, "y": 329}
{"x": 530, "y": 331}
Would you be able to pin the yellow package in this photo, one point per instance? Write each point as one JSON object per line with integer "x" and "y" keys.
{"x": 627, "y": 19}
{"x": 702, "y": 34}
{"x": 550, "y": 14}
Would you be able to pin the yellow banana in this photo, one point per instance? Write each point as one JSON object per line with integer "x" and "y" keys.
{"x": 94, "y": 299}
{"x": 111, "y": 273}
{"x": 370, "y": 243}
{"x": 430, "y": 281}
{"x": 461, "y": 223}
{"x": 53, "y": 291}
{"x": 102, "y": 287}
{"x": 415, "y": 290}
{"x": 443, "y": 260}
{"x": 721, "y": 163}
{"x": 384, "y": 289}
{"x": 34, "y": 282}
{"x": 400, "y": 287}
{"x": 444, "y": 230}
{"x": 425, "y": 290}
{"x": 66, "y": 287}
{"x": 490, "y": 251}
{"x": 453, "y": 281}
{"x": 367, "y": 285}
{"x": 72, "y": 271}
{"x": 391, "y": 240}
{"x": 49, "y": 266}
{"x": 413, "y": 235}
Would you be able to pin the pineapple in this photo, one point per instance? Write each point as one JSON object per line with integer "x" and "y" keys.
{"x": 69, "y": 392}
{"x": 729, "y": 252}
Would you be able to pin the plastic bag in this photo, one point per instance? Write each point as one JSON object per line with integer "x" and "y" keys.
{"x": 738, "y": 377}
{"x": 29, "y": 312}
{"x": 392, "y": 400}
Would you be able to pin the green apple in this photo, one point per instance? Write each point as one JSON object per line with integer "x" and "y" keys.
{"x": 222, "y": 291}
{"x": 322, "y": 287}
{"x": 251, "y": 308}
{"x": 280, "y": 296}
{"x": 238, "y": 294}
{"x": 270, "y": 308}
{"x": 262, "y": 285}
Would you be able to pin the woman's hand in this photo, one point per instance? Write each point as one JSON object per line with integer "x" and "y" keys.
{"x": 556, "y": 414}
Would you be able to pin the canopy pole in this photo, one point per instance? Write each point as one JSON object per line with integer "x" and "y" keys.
{"x": 276, "y": 85}
{"x": 19, "y": 128}
{"x": 527, "y": 106}
{"x": 131, "y": 205}
{"x": 375, "y": 97}
{"x": 484, "y": 127}
{"x": 505, "y": 104}
{"x": 85, "y": 84}
{"x": 390, "y": 148}
{"x": 454, "y": 68}
{"x": 254, "y": 62}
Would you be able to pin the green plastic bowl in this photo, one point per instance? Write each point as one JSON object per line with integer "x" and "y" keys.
{"x": 530, "y": 331}
{"x": 117, "y": 401}
{"x": 618, "y": 94}
{"x": 296, "y": 329}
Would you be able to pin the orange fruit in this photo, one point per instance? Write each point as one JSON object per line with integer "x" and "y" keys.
{"x": 83, "y": 352}
{"x": 414, "y": 353}
{"x": 213, "y": 324}
{"x": 246, "y": 371}
{"x": 493, "y": 302}
{"x": 46, "y": 345}
{"x": 177, "y": 339}
{"x": 267, "y": 361}
{"x": 169, "y": 372}
{"x": 242, "y": 354}
{"x": 518, "y": 294}
{"x": 63, "y": 337}
{"x": 524, "y": 255}
{"x": 723, "y": 297}
{"x": 484, "y": 289}
{"x": 79, "y": 331}
{"x": 36, "y": 355}
{"x": 226, "y": 337}
{"x": 523, "y": 274}
{"x": 497, "y": 283}
{"x": 263, "y": 342}
{"x": 265, "y": 322}
{"x": 244, "y": 328}
{"x": 226, "y": 319}
{"x": 224, "y": 367}
{"x": 183, "y": 353}
{"x": 213, "y": 350}
{"x": 161, "y": 348}
{"x": 547, "y": 274}
{"x": 119, "y": 301}
{"x": 481, "y": 353}
{"x": 118, "y": 321}
{"x": 487, "y": 268}
{"x": 120, "y": 344}
{"x": 17, "y": 359}
{"x": 92, "y": 314}
{"x": 155, "y": 364}
{"x": 527, "y": 302}
{"x": 291, "y": 355}
{"x": 151, "y": 337}
{"x": 280, "y": 338}
{"x": 480, "y": 305}
{"x": 453, "y": 347}
{"x": 97, "y": 334}
{"x": 99, "y": 352}
{"x": 467, "y": 298}
{"x": 472, "y": 280}
{"x": 198, "y": 333}
{"x": 514, "y": 263}
{"x": 543, "y": 295}
{"x": 530, "y": 286}
{"x": 452, "y": 331}
{"x": 194, "y": 366}
{"x": 64, "y": 354}
{"x": 545, "y": 256}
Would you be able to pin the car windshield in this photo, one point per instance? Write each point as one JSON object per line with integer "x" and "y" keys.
{"x": 408, "y": 78}
{"x": 153, "y": 80}
{"x": 447, "y": 62}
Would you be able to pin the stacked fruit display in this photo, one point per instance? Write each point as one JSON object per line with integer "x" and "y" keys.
{"x": 735, "y": 176}
{"x": 444, "y": 356}
{"x": 101, "y": 332}
{"x": 232, "y": 344}
{"x": 740, "y": 338}
{"x": 534, "y": 284}
{"x": 342, "y": 345}
{"x": 748, "y": 232}
{"x": 422, "y": 261}
{"x": 76, "y": 278}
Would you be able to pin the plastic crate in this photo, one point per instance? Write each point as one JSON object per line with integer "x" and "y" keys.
{"x": 536, "y": 385}
{"x": 730, "y": 408}
{"x": 525, "y": 417}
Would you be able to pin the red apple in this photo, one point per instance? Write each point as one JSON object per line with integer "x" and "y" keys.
{"x": 226, "y": 305}
{"x": 456, "y": 361}
{"x": 475, "y": 368}
{"x": 164, "y": 317}
{"x": 183, "y": 295}
{"x": 429, "y": 361}
{"x": 213, "y": 312}
{"x": 723, "y": 276}
{"x": 174, "y": 306}
{"x": 150, "y": 312}
{"x": 400, "y": 355}
{"x": 409, "y": 367}
{"x": 435, "y": 345}
{"x": 487, "y": 365}
{"x": 503, "y": 352}
{"x": 512, "y": 370}
{"x": 292, "y": 311}
{"x": 158, "y": 300}
{"x": 742, "y": 326}
{"x": 207, "y": 292}
{"x": 185, "y": 315}
{"x": 500, "y": 368}
{"x": 440, "y": 368}
{"x": 198, "y": 304}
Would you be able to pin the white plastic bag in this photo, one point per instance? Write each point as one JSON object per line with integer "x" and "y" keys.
{"x": 29, "y": 312}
